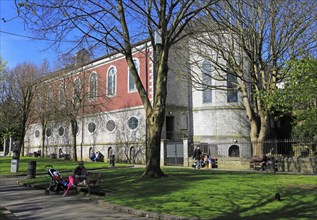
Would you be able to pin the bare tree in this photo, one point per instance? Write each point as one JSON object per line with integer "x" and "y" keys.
{"x": 44, "y": 108}
{"x": 131, "y": 139}
{"x": 76, "y": 98}
{"x": 8, "y": 114}
{"x": 252, "y": 40}
{"x": 116, "y": 26}
{"x": 22, "y": 82}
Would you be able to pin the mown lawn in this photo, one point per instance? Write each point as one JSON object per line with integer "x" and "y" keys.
{"x": 59, "y": 164}
{"x": 209, "y": 194}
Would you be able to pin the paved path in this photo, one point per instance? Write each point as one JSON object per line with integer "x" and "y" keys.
{"x": 27, "y": 203}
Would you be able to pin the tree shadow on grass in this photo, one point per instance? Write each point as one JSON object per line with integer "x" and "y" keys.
{"x": 225, "y": 195}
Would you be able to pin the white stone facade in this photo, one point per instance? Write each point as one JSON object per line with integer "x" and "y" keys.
{"x": 218, "y": 124}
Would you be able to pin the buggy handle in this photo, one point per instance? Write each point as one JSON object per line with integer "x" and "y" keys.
{"x": 47, "y": 167}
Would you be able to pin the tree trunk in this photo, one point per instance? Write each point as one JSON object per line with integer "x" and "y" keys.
{"x": 258, "y": 119}
{"x": 21, "y": 147}
{"x": 155, "y": 118}
{"x": 153, "y": 168}
{"x": 43, "y": 141}
{"x": 74, "y": 142}
{"x": 258, "y": 133}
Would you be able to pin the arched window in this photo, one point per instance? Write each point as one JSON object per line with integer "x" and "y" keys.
{"x": 132, "y": 154}
{"x": 90, "y": 152}
{"x": 111, "y": 83}
{"x": 232, "y": 92}
{"x": 77, "y": 91}
{"x": 61, "y": 131}
{"x": 131, "y": 83}
{"x": 93, "y": 85}
{"x": 50, "y": 94}
{"x": 62, "y": 95}
{"x": 206, "y": 80}
{"x": 37, "y": 133}
{"x": 48, "y": 132}
{"x": 234, "y": 151}
{"x": 38, "y": 102}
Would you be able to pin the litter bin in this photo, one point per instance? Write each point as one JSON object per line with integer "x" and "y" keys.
{"x": 31, "y": 169}
{"x": 112, "y": 157}
{"x": 14, "y": 166}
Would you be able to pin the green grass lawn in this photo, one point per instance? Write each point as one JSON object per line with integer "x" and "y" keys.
{"x": 210, "y": 194}
{"x": 59, "y": 164}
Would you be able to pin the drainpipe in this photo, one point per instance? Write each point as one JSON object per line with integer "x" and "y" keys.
{"x": 147, "y": 91}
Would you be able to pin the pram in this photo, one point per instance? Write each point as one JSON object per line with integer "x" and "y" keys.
{"x": 202, "y": 164}
{"x": 57, "y": 183}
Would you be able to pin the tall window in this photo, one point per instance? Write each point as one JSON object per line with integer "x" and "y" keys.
{"x": 206, "y": 79}
{"x": 93, "y": 85}
{"x": 232, "y": 93}
{"x": 77, "y": 91}
{"x": 62, "y": 95}
{"x": 131, "y": 82}
{"x": 38, "y": 102}
{"x": 111, "y": 90}
{"x": 50, "y": 94}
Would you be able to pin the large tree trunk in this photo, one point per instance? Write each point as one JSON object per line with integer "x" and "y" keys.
{"x": 258, "y": 138}
{"x": 153, "y": 168}
{"x": 258, "y": 119}
{"x": 155, "y": 116}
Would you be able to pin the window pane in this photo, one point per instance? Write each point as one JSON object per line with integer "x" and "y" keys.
{"x": 133, "y": 123}
{"x": 37, "y": 134}
{"x": 206, "y": 78}
{"x": 48, "y": 132}
{"x": 111, "y": 125}
{"x": 61, "y": 131}
{"x": 91, "y": 127}
{"x": 131, "y": 80}
{"x": 93, "y": 86}
{"x": 111, "y": 81}
{"x": 77, "y": 91}
{"x": 232, "y": 93}
{"x": 62, "y": 97}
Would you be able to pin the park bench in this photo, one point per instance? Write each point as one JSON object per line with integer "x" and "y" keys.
{"x": 271, "y": 164}
{"x": 255, "y": 163}
{"x": 92, "y": 183}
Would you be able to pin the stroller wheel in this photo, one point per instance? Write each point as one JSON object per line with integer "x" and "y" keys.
{"x": 46, "y": 192}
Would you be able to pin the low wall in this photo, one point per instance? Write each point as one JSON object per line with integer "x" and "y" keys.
{"x": 233, "y": 163}
{"x": 285, "y": 164}
{"x": 300, "y": 165}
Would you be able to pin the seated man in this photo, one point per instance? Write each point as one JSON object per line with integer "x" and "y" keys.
{"x": 99, "y": 157}
{"x": 93, "y": 157}
{"x": 264, "y": 163}
{"x": 78, "y": 177}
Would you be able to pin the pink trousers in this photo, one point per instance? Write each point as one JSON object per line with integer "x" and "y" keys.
{"x": 71, "y": 181}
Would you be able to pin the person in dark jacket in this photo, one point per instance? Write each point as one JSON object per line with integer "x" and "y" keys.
{"x": 197, "y": 156}
{"x": 78, "y": 177}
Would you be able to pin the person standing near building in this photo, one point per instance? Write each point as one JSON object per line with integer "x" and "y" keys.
{"x": 197, "y": 156}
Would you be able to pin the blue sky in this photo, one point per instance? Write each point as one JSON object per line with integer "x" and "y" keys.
{"x": 17, "y": 49}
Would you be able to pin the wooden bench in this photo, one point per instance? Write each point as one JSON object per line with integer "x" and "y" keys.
{"x": 92, "y": 183}
{"x": 269, "y": 164}
{"x": 255, "y": 163}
